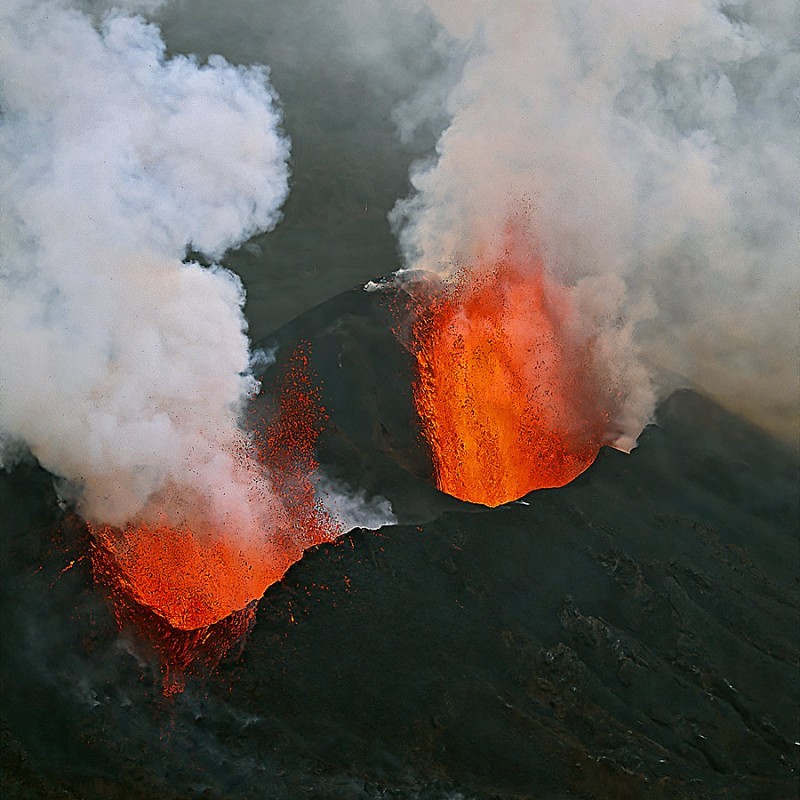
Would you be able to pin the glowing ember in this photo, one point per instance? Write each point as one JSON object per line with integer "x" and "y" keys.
{"x": 194, "y": 574}
{"x": 287, "y": 449}
{"x": 505, "y": 396}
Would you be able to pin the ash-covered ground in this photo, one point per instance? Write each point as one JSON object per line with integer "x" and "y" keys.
{"x": 634, "y": 634}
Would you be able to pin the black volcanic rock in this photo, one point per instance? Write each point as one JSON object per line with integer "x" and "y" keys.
{"x": 634, "y": 634}
{"x": 371, "y": 440}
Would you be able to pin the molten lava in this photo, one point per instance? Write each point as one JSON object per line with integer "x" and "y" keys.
{"x": 191, "y": 581}
{"x": 194, "y": 574}
{"x": 505, "y": 394}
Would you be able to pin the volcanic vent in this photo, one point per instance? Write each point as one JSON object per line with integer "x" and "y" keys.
{"x": 201, "y": 570}
{"x": 507, "y": 392}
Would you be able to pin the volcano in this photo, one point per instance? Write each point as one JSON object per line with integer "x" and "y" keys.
{"x": 624, "y": 635}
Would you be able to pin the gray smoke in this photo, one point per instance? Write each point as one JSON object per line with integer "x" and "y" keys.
{"x": 124, "y": 368}
{"x": 654, "y": 149}
{"x": 654, "y": 146}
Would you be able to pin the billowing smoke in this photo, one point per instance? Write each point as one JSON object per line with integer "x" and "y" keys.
{"x": 650, "y": 150}
{"x": 124, "y": 368}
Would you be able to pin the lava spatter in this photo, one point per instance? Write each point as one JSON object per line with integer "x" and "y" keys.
{"x": 507, "y": 396}
{"x": 185, "y": 585}
{"x": 189, "y": 579}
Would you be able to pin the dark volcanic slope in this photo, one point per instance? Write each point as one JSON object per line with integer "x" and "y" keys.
{"x": 633, "y": 634}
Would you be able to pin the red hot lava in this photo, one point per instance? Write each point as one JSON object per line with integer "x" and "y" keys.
{"x": 178, "y": 583}
{"x": 507, "y": 396}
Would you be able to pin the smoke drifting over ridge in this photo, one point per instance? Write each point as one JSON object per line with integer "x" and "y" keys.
{"x": 654, "y": 147}
{"x": 124, "y": 369}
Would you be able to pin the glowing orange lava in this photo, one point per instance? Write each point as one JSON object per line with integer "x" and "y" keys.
{"x": 195, "y": 575}
{"x": 505, "y": 396}
{"x": 189, "y": 581}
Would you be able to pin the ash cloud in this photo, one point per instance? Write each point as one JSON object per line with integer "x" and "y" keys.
{"x": 124, "y": 369}
{"x": 655, "y": 150}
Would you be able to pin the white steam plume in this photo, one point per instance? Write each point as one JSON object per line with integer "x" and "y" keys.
{"x": 350, "y": 508}
{"x": 656, "y": 144}
{"x": 123, "y": 369}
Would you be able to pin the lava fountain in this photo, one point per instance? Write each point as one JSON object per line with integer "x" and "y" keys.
{"x": 506, "y": 392}
{"x": 189, "y": 575}
{"x": 196, "y": 572}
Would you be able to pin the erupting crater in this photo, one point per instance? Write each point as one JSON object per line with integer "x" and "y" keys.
{"x": 191, "y": 580}
{"x": 193, "y": 574}
{"x": 506, "y": 391}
